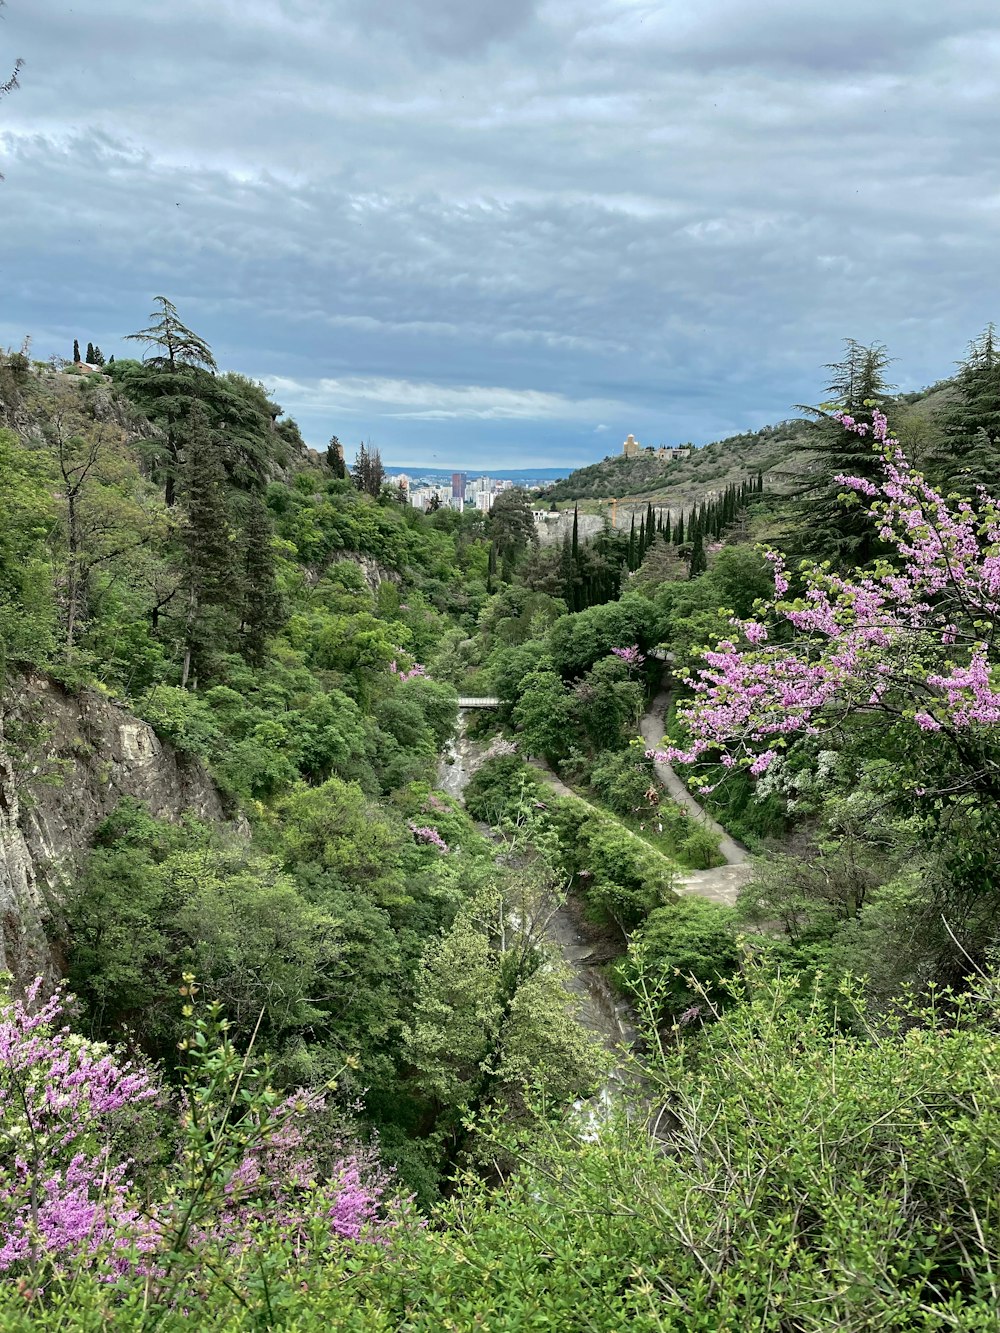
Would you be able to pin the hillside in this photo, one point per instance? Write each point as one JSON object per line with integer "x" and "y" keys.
{"x": 781, "y": 451}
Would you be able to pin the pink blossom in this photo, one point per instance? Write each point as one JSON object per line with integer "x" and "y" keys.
{"x": 875, "y": 639}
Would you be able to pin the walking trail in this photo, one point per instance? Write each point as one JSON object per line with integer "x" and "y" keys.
{"x": 721, "y": 885}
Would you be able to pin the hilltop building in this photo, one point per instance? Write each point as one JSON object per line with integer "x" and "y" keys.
{"x": 665, "y": 453}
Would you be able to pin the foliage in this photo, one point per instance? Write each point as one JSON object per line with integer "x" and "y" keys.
{"x": 681, "y": 952}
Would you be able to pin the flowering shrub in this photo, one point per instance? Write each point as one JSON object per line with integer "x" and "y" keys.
{"x": 424, "y": 833}
{"x": 247, "y": 1160}
{"x": 62, "y": 1196}
{"x": 911, "y": 638}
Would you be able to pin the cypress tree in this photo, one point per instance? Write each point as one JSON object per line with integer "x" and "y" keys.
{"x": 631, "y": 560}
{"x": 567, "y": 573}
{"x": 90, "y": 354}
{"x": 76, "y": 352}
{"x": 666, "y": 527}
{"x": 576, "y": 533}
{"x": 699, "y": 563}
{"x": 760, "y": 482}
{"x": 491, "y": 569}
{"x": 98, "y": 356}
{"x": 679, "y": 530}
{"x": 641, "y": 544}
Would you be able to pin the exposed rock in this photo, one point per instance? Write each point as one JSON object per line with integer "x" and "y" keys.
{"x": 66, "y": 762}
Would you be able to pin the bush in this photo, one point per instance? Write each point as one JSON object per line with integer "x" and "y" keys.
{"x": 700, "y": 849}
{"x": 622, "y": 779}
{"x": 502, "y": 788}
{"x": 182, "y": 718}
{"x": 691, "y": 939}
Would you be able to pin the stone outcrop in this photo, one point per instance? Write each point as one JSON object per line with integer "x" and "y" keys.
{"x": 66, "y": 763}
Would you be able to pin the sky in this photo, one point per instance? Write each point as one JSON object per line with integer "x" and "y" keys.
{"x": 477, "y": 232}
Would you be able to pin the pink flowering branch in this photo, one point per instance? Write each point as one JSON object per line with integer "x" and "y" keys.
{"x": 424, "y": 833}
{"x": 914, "y": 637}
{"x": 62, "y": 1196}
{"x": 403, "y": 674}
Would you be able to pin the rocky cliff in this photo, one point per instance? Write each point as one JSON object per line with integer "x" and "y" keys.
{"x": 66, "y": 762}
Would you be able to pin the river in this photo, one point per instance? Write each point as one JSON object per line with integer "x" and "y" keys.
{"x": 598, "y": 1007}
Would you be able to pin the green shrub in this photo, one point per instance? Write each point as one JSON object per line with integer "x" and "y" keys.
{"x": 700, "y": 849}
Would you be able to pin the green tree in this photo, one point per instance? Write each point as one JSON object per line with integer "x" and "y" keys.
{"x": 511, "y": 526}
{"x": 27, "y": 515}
{"x": 972, "y": 426}
{"x": 544, "y": 715}
{"x": 827, "y": 526}
{"x": 261, "y": 612}
{"x": 173, "y": 373}
{"x": 699, "y": 561}
{"x": 210, "y": 617}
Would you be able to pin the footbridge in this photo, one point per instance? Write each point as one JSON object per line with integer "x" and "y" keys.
{"x": 486, "y": 701}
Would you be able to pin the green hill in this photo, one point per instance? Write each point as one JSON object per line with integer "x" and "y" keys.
{"x": 781, "y": 451}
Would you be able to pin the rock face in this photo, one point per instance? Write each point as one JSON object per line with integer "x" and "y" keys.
{"x": 66, "y": 762}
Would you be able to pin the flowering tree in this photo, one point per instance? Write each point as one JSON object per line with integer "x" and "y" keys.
{"x": 913, "y": 638}
{"x": 631, "y": 656}
{"x": 62, "y": 1196}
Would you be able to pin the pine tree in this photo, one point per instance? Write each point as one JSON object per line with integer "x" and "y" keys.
{"x": 335, "y": 458}
{"x": 111, "y": 359}
{"x": 178, "y": 372}
{"x": 76, "y": 352}
{"x": 972, "y": 427}
{"x": 261, "y": 602}
{"x": 376, "y": 475}
{"x": 208, "y": 548}
{"x": 361, "y": 471}
{"x": 98, "y": 356}
{"x": 829, "y": 528}
{"x": 567, "y": 574}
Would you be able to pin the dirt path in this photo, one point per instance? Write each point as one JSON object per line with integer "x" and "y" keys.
{"x": 721, "y": 885}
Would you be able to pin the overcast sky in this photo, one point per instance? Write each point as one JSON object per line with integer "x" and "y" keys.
{"x": 484, "y": 231}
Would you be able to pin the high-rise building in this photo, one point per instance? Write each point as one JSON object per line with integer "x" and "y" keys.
{"x": 458, "y": 485}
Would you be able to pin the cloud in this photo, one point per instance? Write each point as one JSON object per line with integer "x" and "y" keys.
{"x": 426, "y": 401}
{"x": 498, "y": 225}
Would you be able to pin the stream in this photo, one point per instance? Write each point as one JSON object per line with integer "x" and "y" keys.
{"x": 598, "y": 1007}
